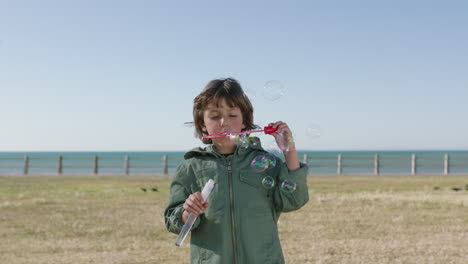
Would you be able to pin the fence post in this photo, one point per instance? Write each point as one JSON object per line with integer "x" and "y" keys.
{"x": 95, "y": 167}
{"x": 413, "y": 164}
{"x": 26, "y": 165}
{"x": 339, "y": 169}
{"x": 60, "y": 164}
{"x": 446, "y": 164}
{"x": 127, "y": 165}
{"x": 165, "y": 165}
{"x": 376, "y": 164}
{"x": 305, "y": 159}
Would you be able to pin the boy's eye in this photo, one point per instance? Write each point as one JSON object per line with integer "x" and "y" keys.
{"x": 214, "y": 117}
{"x": 233, "y": 115}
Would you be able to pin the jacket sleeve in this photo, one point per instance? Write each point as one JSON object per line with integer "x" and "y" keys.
{"x": 286, "y": 200}
{"x": 180, "y": 190}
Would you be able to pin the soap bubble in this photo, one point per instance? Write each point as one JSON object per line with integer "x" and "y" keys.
{"x": 273, "y": 90}
{"x": 268, "y": 182}
{"x": 288, "y": 186}
{"x": 258, "y": 164}
{"x": 269, "y": 160}
{"x": 244, "y": 140}
{"x": 254, "y": 141}
{"x": 313, "y": 131}
{"x": 263, "y": 162}
{"x": 241, "y": 140}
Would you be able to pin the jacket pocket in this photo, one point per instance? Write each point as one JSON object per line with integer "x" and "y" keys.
{"x": 253, "y": 179}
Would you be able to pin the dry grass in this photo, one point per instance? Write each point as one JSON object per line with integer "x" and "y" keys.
{"x": 348, "y": 220}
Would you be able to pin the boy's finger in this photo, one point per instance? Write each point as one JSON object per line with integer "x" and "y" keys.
{"x": 198, "y": 206}
{"x": 195, "y": 210}
{"x": 195, "y": 201}
{"x": 274, "y": 125}
{"x": 199, "y": 197}
{"x": 190, "y": 209}
{"x": 277, "y": 124}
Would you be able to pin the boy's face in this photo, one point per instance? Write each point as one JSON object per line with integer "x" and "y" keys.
{"x": 221, "y": 119}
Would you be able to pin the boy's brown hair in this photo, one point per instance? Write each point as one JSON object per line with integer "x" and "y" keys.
{"x": 228, "y": 89}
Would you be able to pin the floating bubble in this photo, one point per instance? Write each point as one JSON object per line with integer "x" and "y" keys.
{"x": 313, "y": 131}
{"x": 269, "y": 160}
{"x": 254, "y": 141}
{"x": 268, "y": 182}
{"x": 241, "y": 140}
{"x": 251, "y": 141}
{"x": 258, "y": 164}
{"x": 288, "y": 186}
{"x": 273, "y": 90}
{"x": 244, "y": 140}
{"x": 263, "y": 162}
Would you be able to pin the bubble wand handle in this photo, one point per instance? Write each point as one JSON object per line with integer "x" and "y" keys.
{"x": 191, "y": 218}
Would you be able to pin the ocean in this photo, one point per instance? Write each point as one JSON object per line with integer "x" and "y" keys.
{"x": 152, "y": 163}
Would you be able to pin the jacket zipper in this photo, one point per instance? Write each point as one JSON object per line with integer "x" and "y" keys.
{"x": 231, "y": 196}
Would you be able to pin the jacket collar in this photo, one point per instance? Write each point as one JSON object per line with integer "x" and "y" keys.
{"x": 210, "y": 151}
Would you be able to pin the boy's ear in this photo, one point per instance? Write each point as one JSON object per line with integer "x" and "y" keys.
{"x": 243, "y": 126}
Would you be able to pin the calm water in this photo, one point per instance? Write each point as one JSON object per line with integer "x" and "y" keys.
{"x": 150, "y": 163}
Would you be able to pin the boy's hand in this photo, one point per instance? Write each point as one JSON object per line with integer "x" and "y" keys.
{"x": 282, "y": 128}
{"x": 292, "y": 160}
{"x": 195, "y": 204}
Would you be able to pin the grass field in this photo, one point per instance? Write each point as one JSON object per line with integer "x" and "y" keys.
{"x": 347, "y": 220}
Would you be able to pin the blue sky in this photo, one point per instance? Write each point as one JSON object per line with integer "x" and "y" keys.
{"x": 121, "y": 75}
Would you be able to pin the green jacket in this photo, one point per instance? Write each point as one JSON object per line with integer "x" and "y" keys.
{"x": 240, "y": 223}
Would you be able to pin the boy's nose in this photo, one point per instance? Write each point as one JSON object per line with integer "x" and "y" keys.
{"x": 224, "y": 122}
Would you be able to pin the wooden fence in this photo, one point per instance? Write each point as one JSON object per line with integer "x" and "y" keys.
{"x": 59, "y": 168}
{"x": 377, "y": 164}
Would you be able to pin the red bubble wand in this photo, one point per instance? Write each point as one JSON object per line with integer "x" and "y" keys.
{"x": 267, "y": 130}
